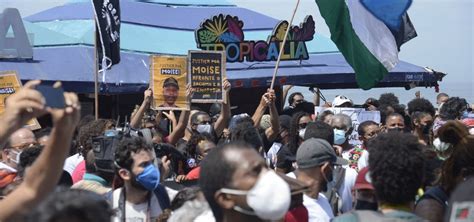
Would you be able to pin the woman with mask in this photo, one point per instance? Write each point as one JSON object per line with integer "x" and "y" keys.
{"x": 459, "y": 166}
{"x": 196, "y": 150}
{"x": 286, "y": 157}
{"x": 422, "y": 123}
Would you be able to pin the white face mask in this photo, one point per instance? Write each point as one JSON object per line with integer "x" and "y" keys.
{"x": 204, "y": 128}
{"x": 17, "y": 158}
{"x": 269, "y": 198}
{"x": 441, "y": 147}
{"x": 301, "y": 133}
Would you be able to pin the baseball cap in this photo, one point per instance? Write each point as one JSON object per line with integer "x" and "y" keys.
{"x": 171, "y": 82}
{"x": 339, "y": 100}
{"x": 363, "y": 180}
{"x": 314, "y": 152}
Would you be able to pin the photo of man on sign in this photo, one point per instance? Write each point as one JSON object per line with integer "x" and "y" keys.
{"x": 170, "y": 92}
{"x": 168, "y": 82}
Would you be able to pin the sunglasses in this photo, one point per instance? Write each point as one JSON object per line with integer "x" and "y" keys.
{"x": 302, "y": 125}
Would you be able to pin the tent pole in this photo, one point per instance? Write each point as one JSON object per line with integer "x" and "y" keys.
{"x": 282, "y": 47}
{"x": 96, "y": 75}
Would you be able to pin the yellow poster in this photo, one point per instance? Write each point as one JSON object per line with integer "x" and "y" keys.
{"x": 9, "y": 84}
{"x": 168, "y": 81}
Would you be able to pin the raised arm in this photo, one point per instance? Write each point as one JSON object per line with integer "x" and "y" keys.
{"x": 20, "y": 107}
{"x": 286, "y": 89}
{"x": 41, "y": 178}
{"x": 223, "y": 120}
{"x": 180, "y": 128}
{"x": 261, "y": 108}
{"x": 272, "y": 132}
{"x": 136, "y": 120}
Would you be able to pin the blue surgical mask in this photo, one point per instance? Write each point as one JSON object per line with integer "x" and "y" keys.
{"x": 149, "y": 178}
{"x": 339, "y": 136}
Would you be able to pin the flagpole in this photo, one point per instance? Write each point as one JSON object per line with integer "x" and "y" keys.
{"x": 282, "y": 47}
{"x": 96, "y": 74}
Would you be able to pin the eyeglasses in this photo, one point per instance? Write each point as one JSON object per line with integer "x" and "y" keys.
{"x": 23, "y": 146}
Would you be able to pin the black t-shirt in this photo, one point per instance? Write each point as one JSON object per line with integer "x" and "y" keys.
{"x": 285, "y": 159}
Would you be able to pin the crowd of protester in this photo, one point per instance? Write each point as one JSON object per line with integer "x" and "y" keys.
{"x": 209, "y": 165}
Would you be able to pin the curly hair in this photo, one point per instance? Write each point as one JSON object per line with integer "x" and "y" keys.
{"x": 461, "y": 160}
{"x": 452, "y": 109}
{"x": 397, "y": 167}
{"x": 421, "y": 105}
{"x": 388, "y": 99}
{"x": 246, "y": 132}
{"x": 128, "y": 146}
{"x": 90, "y": 130}
{"x": 291, "y": 98}
{"x": 72, "y": 204}
{"x": 192, "y": 145}
{"x": 293, "y": 137}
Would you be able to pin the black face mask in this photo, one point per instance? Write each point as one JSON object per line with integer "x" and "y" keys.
{"x": 426, "y": 129}
{"x": 396, "y": 129}
{"x": 366, "y": 205}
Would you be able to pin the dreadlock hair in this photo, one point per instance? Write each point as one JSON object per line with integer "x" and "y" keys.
{"x": 396, "y": 164}
{"x": 293, "y": 137}
{"x": 461, "y": 161}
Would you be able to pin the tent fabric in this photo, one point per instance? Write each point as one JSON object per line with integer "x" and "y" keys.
{"x": 182, "y": 18}
{"x": 327, "y": 71}
{"x": 152, "y": 40}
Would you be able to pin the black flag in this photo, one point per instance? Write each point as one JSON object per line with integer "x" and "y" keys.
{"x": 107, "y": 17}
{"x": 405, "y": 33}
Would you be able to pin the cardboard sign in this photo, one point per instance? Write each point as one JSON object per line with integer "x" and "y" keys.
{"x": 357, "y": 115}
{"x": 168, "y": 80}
{"x": 9, "y": 84}
{"x": 206, "y": 73}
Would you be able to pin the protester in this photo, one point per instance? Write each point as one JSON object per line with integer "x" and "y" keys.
{"x": 293, "y": 100}
{"x": 282, "y": 139}
{"x": 367, "y": 130}
{"x": 396, "y": 167}
{"x": 141, "y": 197}
{"x": 41, "y": 178}
{"x": 286, "y": 157}
{"x": 18, "y": 141}
{"x": 72, "y": 205}
{"x": 239, "y": 187}
{"x": 342, "y": 126}
{"x": 452, "y": 109}
{"x": 270, "y": 133}
{"x": 364, "y": 192}
{"x": 197, "y": 149}
{"x": 326, "y": 116}
{"x": 94, "y": 179}
{"x": 341, "y": 102}
{"x": 87, "y": 132}
{"x": 456, "y": 168}
{"x": 440, "y": 99}
{"x": 316, "y": 159}
{"x": 394, "y": 123}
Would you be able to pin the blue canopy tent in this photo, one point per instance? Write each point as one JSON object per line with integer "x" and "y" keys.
{"x": 64, "y": 38}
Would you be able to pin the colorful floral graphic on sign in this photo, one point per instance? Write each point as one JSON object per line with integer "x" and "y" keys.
{"x": 225, "y": 33}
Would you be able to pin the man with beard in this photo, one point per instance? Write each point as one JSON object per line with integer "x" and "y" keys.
{"x": 316, "y": 159}
{"x": 170, "y": 92}
{"x": 141, "y": 198}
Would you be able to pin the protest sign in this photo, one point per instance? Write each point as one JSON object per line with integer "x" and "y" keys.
{"x": 206, "y": 73}
{"x": 168, "y": 81}
{"x": 9, "y": 84}
{"x": 358, "y": 115}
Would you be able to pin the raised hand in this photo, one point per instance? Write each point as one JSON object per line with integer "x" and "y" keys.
{"x": 24, "y": 105}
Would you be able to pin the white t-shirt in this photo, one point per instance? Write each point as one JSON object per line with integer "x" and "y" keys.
{"x": 71, "y": 162}
{"x": 319, "y": 210}
{"x": 363, "y": 160}
{"x": 136, "y": 212}
{"x": 345, "y": 191}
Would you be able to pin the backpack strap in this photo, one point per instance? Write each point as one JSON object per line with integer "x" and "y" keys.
{"x": 163, "y": 197}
